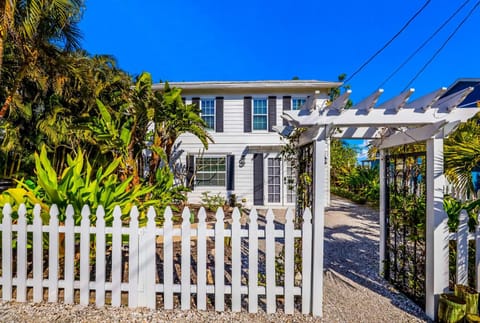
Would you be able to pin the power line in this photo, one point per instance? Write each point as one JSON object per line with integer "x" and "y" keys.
{"x": 423, "y": 44}
{"x": 443, "y": 45}
{"x": 388, "y": 42}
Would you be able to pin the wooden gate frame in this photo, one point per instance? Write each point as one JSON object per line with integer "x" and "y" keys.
{"x": 430, "y": 118}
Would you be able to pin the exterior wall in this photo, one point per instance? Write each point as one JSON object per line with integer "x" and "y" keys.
{"x": 233, "y": 140}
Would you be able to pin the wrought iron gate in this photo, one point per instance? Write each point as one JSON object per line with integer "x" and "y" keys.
{"x": 405, "y": 223}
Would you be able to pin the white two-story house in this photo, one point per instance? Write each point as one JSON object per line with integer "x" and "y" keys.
{"x": 245, "y": 157}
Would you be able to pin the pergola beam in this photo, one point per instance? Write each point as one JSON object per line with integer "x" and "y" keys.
{"x": 410, "y": 136}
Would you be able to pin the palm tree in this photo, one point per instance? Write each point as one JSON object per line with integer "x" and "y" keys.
{"x": 462, "y": 155}
{"x": 39, "y": 31}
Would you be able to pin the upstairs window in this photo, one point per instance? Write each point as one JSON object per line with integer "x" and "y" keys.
{"x": 260, "y": 114}
{"x": 297, "y": 103}
{"x": 208, "y": 112}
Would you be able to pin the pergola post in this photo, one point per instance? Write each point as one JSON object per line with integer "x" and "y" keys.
{"x": 382, "y": 211}
{"x": 327, "y": 173}
{"x": 319, "y": 194}
{"x": 436, "y": 228}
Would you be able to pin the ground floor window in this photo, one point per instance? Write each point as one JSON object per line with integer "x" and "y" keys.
{"x": 210, "y": 171}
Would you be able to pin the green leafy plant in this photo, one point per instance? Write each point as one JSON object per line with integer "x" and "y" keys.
{"x": 212, "y": 202}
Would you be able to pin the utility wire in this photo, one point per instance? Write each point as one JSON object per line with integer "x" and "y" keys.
{"x": 423, "y": 44}
{"x": 443, "y": 45}
{"x": 388, "y": 42}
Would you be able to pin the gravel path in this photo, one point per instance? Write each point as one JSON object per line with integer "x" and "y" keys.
{"x": 354, "y": 292}
{"x": 353, "y": 289}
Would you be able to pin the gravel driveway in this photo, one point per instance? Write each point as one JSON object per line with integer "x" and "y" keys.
{"x": 354, "y": 292}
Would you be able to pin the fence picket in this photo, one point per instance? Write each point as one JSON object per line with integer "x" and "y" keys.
{"x": 236, "y": 262}
{"x": 69, "y": 256}
{"x": 149, "y": 250}
{"x": 306, "y": 261}
{"x": 117, "y": 257}
{"x": 185, "y": 293}
{"x": 201, "y": 261}
{"x": 53, "y": 255}
{"x": 219, "y": 261}
{"x": 142, "y": 270}
{"x": 289, "y": 262}
{"x": 462, "y": 249}
{"x": 100, "y": 258}
{"x": 133, "y": 259}
{"x": 37, "y": 255}
{"x": 253, "y": 262}
{"x": 168, "y": 260}
{"x": 85, "y": 256}
{"x": 7, "y": 253}
{"x": 22, "y": 254}
{"x": 270, "y": 262}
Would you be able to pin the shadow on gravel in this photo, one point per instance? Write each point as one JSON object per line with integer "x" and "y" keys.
{"x": 351, "y": 249}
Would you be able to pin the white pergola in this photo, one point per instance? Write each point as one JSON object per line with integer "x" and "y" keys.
{"x": 430, "y": 118}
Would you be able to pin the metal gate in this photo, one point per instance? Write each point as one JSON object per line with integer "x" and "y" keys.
{"x": 405, "y": 223}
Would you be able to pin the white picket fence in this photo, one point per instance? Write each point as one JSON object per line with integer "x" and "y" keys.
{"x": 145, "y": 281}
{"x": 462, "y": 237}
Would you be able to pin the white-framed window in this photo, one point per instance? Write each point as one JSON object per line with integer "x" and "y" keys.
{"x": 260, "y": 114}
{"x": 208, "y": 112}
{"x": 210, "y": 171}
{"x": 297, "y": 103}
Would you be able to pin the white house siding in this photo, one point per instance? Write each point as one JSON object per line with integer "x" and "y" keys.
{"x": 233, "y": 140}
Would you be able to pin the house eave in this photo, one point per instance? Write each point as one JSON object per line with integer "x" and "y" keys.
{"x": 291, "y": 86}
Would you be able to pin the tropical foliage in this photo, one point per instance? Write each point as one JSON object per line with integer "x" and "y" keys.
{"x": 106, "y": 138}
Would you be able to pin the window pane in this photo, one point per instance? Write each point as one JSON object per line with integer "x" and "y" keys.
{"x": 259, "y": 122}
{"x": 297, "y": 103}
{"x": 208, "y": 112}
{"x": 210, "y": 171}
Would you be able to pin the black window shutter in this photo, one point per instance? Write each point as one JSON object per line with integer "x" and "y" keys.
{"x": 196, "y": 101}
{"x": 272, "y": 112}
{"x": 183, "y": 100}
{"x": 287, "y": 105}
{"x": 219, "y": 114}
{"x": 190, "y": 171}
{"x": 230, "y": 172}
{"x": 258, "y": 179}
{"x": 247, "y": 114}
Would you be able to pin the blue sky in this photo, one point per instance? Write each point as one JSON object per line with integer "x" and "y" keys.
{"x": 195, "y": 40}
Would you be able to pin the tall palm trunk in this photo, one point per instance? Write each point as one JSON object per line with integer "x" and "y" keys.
{"x": 7, "y": 9}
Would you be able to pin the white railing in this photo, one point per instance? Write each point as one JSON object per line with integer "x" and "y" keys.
{"x": 462, "y": 237}
{"x": 85, "y": 260}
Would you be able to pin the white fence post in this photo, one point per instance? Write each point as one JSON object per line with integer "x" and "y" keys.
{"x": 53, "y": 255}
{"x": 219, "y": 261}
{"x": 7, "y": 253}
{"x": 167, "y": 260}
{"x": 133, "y": 259}
{"x": 116, "y": 257}
{"x": 201, "y": 261}
{"x": 462, "y": 249}
{"x": 69, "y": 276}
{"x": 236, "y": 262}
{"x": 147, "y": 261}
{"x": 85, "y": 256}
{"x": 186, "y": 252}
{"x": 22, "y": 254}
{"x": 289, "y": 262}
{"x": 100, "y": 258}
{"x": 37, "y": 255}
{"x": 270, "y": 263}
{"x": 253, "y": 262}
{"x": 306, "y": 261}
